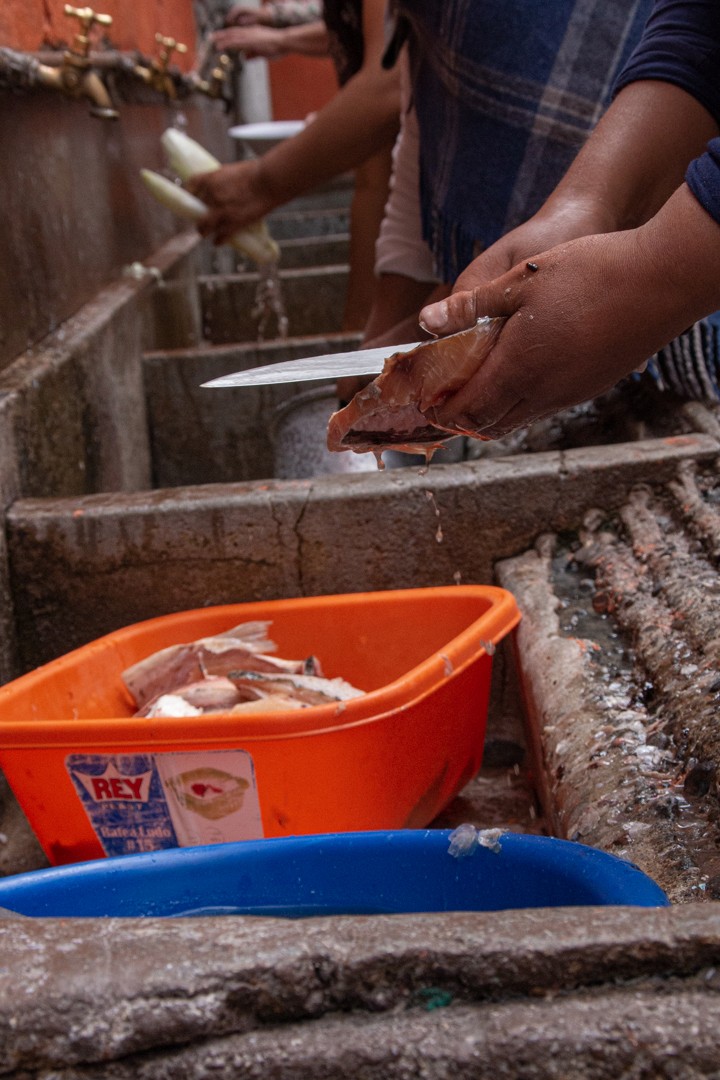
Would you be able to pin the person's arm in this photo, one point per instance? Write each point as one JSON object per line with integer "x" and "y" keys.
{"x": 680, "y": 45}
{"x": 593, "y": 310}
{"x": 667, "y": 106}
{"x": 268, "y": 42}
{"x": 632, "y": 162}
{"x": 279, "y": 13}
{"x": 359, "y": 121}
{"x": 602, "y": 309}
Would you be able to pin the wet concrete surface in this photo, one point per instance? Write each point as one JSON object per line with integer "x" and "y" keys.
{"x": 313, "y": 297}
{"x": 81, "y": 567}
{"x": 75, "y": 211}
{"x": 208, "y": 436}
{"x": 603, "y": 524}
{"x": 597, "y": 993}
{"x": 550, "y": 994}
{"x": 618, "y": 649}
{"x": 298, "y": 252}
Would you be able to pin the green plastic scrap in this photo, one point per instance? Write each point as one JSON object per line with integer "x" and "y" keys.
{"x": 434, "y": 997}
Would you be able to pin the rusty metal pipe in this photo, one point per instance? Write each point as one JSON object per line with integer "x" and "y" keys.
{"x": 79, "y": 81}
{"x": 73, "y": 78}
{"x": 28, "y": 71}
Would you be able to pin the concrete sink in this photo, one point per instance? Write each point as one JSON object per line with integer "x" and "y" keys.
{"x": 129, "y": 492}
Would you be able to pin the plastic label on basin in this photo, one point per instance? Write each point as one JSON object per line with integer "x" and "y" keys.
{"x": 147, "y": 802}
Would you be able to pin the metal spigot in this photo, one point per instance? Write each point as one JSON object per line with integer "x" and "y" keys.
{"x": 214, "y": 86}
{"x": 76, "y": 77}
{"x": 158, "y": 75}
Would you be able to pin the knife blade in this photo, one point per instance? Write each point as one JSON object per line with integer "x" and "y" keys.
{"x": 329, "y": 366}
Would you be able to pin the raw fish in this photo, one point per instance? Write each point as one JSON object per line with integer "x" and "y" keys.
{"x": 170, "y": 705}
{"x": 203, "y": 697}
{"x": 245, "y": 646}
{"x": 390, "y": 413}
{"x": 308, "y": 689}
{"x": 213, "y": 693}
{"x": 229, "y": 673}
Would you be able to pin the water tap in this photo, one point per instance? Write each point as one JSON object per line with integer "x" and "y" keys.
{"x": 158, "y": 75}
{"x": 214, "y": 86}
{"x": 75, "y": 77}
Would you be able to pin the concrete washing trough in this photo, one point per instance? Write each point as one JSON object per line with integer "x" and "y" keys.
{"x": 130, "y": 493}
{"x": 208, "y": 436}
{"x": 313, "y": 297}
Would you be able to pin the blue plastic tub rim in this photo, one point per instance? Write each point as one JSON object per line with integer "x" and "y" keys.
{"x": 360, "y": 873}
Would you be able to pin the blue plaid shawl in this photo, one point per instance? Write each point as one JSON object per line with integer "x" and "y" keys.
{"x": 506, "y": 93}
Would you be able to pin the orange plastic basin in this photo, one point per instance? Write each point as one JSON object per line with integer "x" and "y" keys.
{"x": 93, "y": 780}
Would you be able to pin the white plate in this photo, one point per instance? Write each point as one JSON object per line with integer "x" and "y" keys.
{"x": 260, "y": 137}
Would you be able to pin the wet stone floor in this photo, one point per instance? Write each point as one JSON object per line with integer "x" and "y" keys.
{"x": 633, "y": 766}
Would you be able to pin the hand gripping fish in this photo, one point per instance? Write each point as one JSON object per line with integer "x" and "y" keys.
{"x": 390, "y": 413}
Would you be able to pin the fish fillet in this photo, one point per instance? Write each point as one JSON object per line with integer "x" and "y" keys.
{"x": 244, "y": 646}
{"x": 308, "y": 689}
{"x": 390, "y": 413}
{"x": 227, "y": 673}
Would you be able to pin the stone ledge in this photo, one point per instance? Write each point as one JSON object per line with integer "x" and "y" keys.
{"x": 82, "y": 567}
{"x": 179, "y": 994}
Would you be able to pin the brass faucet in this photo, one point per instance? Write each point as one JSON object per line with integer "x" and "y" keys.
{"x": 158, "y": 75}
{"x": 214, "y": 86}
{"x": 75, "y": 77}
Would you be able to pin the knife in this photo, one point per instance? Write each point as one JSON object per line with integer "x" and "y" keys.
{"x": 329, "y": 366}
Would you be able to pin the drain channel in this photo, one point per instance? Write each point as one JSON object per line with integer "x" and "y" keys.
{"x": 619, "y": 654}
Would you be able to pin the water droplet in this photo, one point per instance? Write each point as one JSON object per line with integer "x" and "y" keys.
{"x": 431, "y": 499}
{"x": 269, "y": 302}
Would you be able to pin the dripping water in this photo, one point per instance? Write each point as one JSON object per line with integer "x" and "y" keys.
{"x": 429, "y": 453}
{"x": 269, "y": 304}
{"x": 431, "y": 499}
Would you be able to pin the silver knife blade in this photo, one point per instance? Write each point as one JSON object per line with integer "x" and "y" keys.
{"x": 330, "y": 366}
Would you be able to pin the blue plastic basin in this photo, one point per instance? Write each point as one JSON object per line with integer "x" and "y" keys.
{"x": 341, "y": 873}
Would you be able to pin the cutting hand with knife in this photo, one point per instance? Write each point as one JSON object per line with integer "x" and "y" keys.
{"x": 623, "y": 256}
{"x": 470, "y": 164}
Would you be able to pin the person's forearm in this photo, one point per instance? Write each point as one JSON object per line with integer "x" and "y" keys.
{"x": 683, "y": 242}
{"x": 361, "y": 120}
{"x": 593, "y": 310}
{"x": 306, "y": 39}
{"x": 270, "y": 43}
{"x": 637, "y": 155}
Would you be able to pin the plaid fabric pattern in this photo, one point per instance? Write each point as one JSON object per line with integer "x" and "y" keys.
{"x": 295, "y": 12}
{"x": 506, "y": 92}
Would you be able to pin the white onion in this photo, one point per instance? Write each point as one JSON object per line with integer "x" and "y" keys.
{"x": 188, "y": 158}
{"x": 185, "y": 156}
